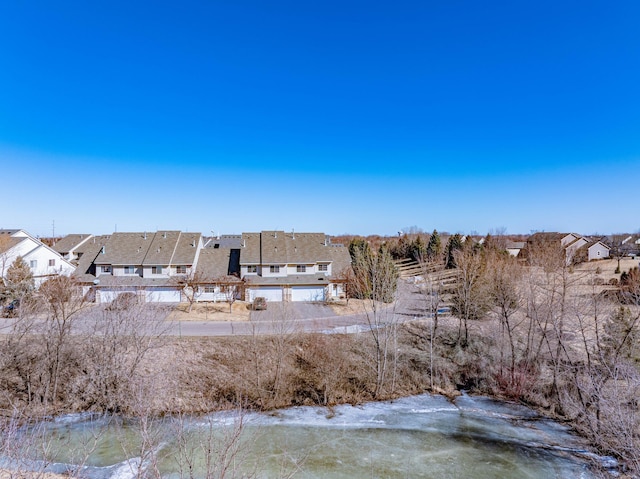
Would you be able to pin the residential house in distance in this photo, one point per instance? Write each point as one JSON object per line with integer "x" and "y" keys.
{"x": 147, "y": 264}
{"x": 70, "y": 246}
{"x": 576, "y": 248}
{"x": 514, "y": 247}
{"x": 43, "y": 261}
{"x": 292, "y": 266}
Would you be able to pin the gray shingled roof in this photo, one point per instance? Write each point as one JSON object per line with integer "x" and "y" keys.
{"x": 213, "y": 263}
{"x": 106, "y": 280}
{"x": 186, "y": 249}
{"x": 69, "y": 242}
{"x": 9, "y": 242}
{"x": 161, "y": 248}
{"x": 278, "y": 247}
{"x": 341, "y": 260}
{"x": 319, "y": 279}
{"x": 225, "y": 242}
{"x": 250, "y": 251}
{"x": 91, "y": 249}
{"x": 125, "y": 249}
{"x": 149, "y": 249}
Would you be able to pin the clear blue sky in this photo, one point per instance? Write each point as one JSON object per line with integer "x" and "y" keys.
{"x": 337, "y": 116}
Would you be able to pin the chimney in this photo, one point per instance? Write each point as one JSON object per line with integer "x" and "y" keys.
{"x": 293, "y": 234}
{"x": 145, "y": 235}
{"x": 164, "y": 235}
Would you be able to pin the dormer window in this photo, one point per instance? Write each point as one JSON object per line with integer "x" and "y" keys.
{"x": 129, "y": 270}
{"x": 105, "y": 268}
{"x": 323, "y": 267}
{"x": 274, "y": 268}
{"x": 181, "y": 270}
{"x": 252, "y": 268}
{"x": 156, "y": 270}
{"x": 301, "y": 268}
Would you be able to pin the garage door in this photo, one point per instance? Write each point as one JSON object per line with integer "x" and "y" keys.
{"x": 109, "y": 294}
{"x": 307, "y": 293}
{"x": 273, "y": 293}
{"x": 162, "y": 295}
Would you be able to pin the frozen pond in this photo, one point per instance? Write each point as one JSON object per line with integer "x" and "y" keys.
{"x": 420, "y": 436}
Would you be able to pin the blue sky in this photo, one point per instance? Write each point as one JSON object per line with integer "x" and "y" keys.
{"x": 336, "y": 116}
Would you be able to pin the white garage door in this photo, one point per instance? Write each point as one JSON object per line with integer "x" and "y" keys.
{"x": 307, "y": 293}
{"x": 272, "y": 293}
{"x": 162, "y": 295}
{"x": 109, "y": 294}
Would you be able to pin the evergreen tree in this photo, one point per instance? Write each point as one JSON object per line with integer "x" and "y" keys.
{"x": 374, "y": 275}
{"x": 417, "y": 249}
{"x": 434, "y": 247}
{"x": 19, "y": 280}
{"x": 454, "y": 244}
{"x": 401, "y": 249}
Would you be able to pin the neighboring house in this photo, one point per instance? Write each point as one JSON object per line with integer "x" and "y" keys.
{"x": 70, "y": 246}
{"x": 597, "y": 250}
{"x": 148, "y": 264}
{"x": 292, "y": 266}
{"x": 514, "y": 247}
{"x": 43, "y": 261}
{"x": 576, "y": 248}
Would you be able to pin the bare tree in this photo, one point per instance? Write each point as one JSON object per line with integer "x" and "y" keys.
{"x": 190, "y": 286}
{"x": 376, "y": 280}
{"x": 62, "y": 301}
{"x": 505, "y": 274}
{"x": 470, "y": 296}
{"x": 115, "y": 350}
{"x": 232, "y": 289}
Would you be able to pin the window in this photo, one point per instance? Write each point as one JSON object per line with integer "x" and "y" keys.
{"x": 209, "y": 289}
{"x": 52, "y": 262}
{"x": 33, "y": 264}
{"x": 252, "y": 268}
{"x": 323, "y": 267}
{"x": 156, "y": 270}
{"x": 106, "y": 269}
{"x": 181, "y": 270}
{"x": 129, "y": 270}
{"x": 301, "y": 268}
{"x": 274, "y": 269}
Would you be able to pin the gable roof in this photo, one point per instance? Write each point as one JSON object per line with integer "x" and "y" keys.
{"x": 9, "y": 242}
{"x": 90, "y": 250}
{"x": 150, "y": 249}
{"x": 160, "y": 249}
{"x": 125, "y": 249}
{"x": 213, "y": 263}
{"x": 70, "y": 242}
{"x": 187, "y": 248}
{"x": 278, "y": 247}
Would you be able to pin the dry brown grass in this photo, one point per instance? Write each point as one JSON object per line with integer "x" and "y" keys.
{"x": 211, "y": 312}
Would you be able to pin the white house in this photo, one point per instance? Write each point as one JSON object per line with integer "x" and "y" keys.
{"x": 43, "y": 261}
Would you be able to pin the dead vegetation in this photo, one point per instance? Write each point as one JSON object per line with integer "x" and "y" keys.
{"x": 544, "y": 335}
